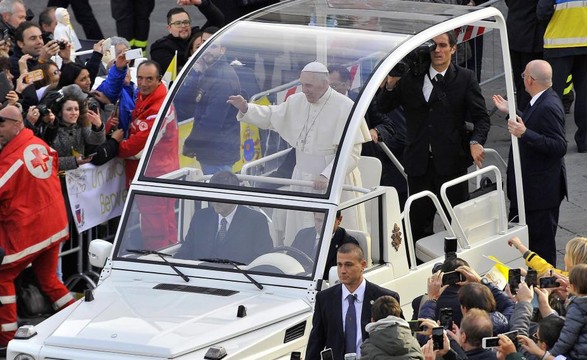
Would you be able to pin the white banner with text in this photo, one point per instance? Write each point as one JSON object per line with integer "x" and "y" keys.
{"x": 96, "y": 193}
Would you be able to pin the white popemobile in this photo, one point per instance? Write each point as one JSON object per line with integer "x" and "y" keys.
{"x": 152, "y": 303}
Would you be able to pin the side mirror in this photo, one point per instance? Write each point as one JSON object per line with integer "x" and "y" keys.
{"x": 99, "y": 252}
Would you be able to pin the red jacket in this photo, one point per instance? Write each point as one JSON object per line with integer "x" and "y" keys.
{"x": 165, "y": 157}
{"x": 32, "y": 209}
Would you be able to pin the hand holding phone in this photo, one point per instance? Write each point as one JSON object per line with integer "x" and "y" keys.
{"x": 415, "y": 325}
{"x": 438, "y": 338}
{"x": 133, "y": 54}
{"x": 549, "y": 282}
{"x": 514, "y": 279}
{"x": 452, "y": 277}
{"x": 445, "y": 318}
{"x": 531, "y": 278}
{"x": 90, "y": 156}
{"x": 490, "y": 342}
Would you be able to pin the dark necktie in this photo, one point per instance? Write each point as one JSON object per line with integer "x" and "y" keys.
{"x": 221, "y": 235}
{"x": 438, "y": 79}
{"x": 350, "y": 327}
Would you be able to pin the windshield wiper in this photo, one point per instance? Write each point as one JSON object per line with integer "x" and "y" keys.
{"x": 236, "y": 266}
{"x": 162, "y": 256}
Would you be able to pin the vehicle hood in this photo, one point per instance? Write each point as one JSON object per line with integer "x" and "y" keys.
{"x": 134, "y": 318}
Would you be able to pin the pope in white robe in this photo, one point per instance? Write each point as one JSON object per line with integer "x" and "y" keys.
{"x": 312, "y": 122}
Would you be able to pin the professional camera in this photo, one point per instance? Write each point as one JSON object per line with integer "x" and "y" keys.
{"x": 417, "y": 61}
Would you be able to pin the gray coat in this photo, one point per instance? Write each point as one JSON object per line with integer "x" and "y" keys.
{"x": 521, "y": 321}
{"x": 66, "y": 137}
{"x": 390, "y": 339}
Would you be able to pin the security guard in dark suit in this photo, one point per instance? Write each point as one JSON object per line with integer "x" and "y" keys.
{"x": 438, "y": 99}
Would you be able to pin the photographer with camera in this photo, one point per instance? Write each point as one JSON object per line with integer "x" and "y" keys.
{"x": 12, "y": 14}
{"x": 29, "y": 40}
{"x": 438, "y": 98}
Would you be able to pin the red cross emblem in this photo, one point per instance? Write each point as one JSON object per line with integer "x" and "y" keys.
{"x": 40, "y": 160}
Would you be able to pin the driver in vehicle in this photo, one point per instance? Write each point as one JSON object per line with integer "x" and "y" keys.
{"x": 226, "y": 230}
{"x": 307, "y": 239}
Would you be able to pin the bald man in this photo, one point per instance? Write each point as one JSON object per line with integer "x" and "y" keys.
{"x": 312, "y": 121}
{"x": 540, "y": 130}
{"x": 25, "y": 234}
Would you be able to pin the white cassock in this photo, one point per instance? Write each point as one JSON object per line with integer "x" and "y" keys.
{"x": 315, "y": 131}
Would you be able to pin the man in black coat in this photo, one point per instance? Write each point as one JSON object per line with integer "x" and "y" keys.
{"x": 226, "y": 230}
{"x": 540, "y": 130}
{"x": 437, "y": 103}
{"x": 307, "y": 239}
{"x": 180, "y": 31}
{"x": 329, "y": 321}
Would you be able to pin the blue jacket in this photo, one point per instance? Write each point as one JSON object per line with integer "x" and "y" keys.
{"x": 114, "y": 88}
{"x": 215, "y": 135}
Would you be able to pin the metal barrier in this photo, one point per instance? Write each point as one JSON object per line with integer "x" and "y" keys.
{"x": 77, "y": 244}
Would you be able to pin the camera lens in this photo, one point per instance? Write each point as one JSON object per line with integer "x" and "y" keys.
{"x": 43, "y": 111}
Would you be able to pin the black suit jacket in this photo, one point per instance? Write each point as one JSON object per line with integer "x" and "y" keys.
{"x": 305, "y": 240}
{"x": 327, "y": 330}
{"x": 542, "y": 150}
{"x": 440, "y": 122}
{"x": 525, "y": 30}
{"x": 247, "y": 236}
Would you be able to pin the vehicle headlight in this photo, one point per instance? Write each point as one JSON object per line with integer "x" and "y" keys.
{"x": 24, "y": 357}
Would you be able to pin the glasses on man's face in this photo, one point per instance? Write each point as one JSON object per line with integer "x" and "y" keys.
{"x": 524, "y": 76}
{"x": 2, "y": 119}
{"x": 181, "y": 23}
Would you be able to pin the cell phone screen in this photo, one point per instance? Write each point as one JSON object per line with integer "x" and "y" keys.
{"x": 531, "y": 278}
{"x": 438, "y": 338}
{"x": 415, "y": 325}
{"x": 514, "y": 279}
{"x": 326, "y": 354}
{"x": 490, "y": 342}
{"x": 445, "y": 318}
{"x": 548, "y": 282}
{"x": 451, "y": 278}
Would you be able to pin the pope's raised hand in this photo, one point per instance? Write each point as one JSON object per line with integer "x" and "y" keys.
{"x": 238, "y": 102}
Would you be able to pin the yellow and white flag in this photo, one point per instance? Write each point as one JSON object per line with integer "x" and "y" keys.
{"x": 171, "y": 72}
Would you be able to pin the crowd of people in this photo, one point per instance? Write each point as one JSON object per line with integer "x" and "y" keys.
{"x": 467, "y": 318}
{"x": 54, "y": 120}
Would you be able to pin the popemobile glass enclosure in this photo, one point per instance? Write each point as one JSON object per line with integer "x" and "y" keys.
{"x": 223, "y": 245}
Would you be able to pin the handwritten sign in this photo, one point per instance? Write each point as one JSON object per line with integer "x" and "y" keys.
{"x": 96, "y": 193}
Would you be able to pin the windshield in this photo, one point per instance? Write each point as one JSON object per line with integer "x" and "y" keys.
{"x": 284, "y": 149}
{"x": 219, "y": 234}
